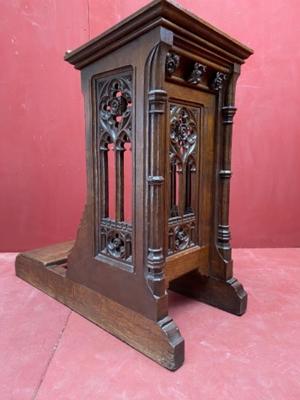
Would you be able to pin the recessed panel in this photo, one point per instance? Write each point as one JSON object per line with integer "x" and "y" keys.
{"x": 113, "y": 180}
{"x": 184, "y": 142}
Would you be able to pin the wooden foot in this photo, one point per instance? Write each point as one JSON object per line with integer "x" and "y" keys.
{"x": 227, "y": 295}
{"x": 161, "y": 341}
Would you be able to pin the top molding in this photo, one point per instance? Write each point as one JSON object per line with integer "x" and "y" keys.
{"x": 166, "y": 14}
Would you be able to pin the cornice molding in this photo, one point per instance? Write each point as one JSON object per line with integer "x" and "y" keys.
{"x": 163, "y": 13}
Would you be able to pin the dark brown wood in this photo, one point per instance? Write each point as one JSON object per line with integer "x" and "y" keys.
{"x": 162, "y": 84}
{"x": 161, "y": 341}
{"x": 181, "y": 263}
{"x": 228, "y": 295}
{"x": 52, "y": 255}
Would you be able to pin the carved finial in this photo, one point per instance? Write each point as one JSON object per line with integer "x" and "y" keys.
{"x": 172, "y": 63}
{"x": 218, "y": 80}
{"x": 197, "y": 73}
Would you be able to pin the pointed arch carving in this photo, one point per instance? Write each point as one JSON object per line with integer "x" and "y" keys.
{"x": 113, "y": 94}
{"x": 184, "y": 142}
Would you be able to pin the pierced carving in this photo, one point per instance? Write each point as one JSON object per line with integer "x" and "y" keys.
{"x": 197, "y": 73}
{"x": 181, "y": 235}
{"x": 217, "y": 83}
{"x": 116, "y": 244}
{"x": 182, "y": 238}
{"x": 172, "y": 63}
{"x": 115, "y": 106}
{"x": 183, "y": 132}
{"x": 116, "y": 239}
{"x": 113, "y": 138}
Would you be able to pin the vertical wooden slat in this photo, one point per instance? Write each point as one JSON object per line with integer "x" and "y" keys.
{"x": 182, "y": 189}
{"x": 173, "y": 189}
{"x": 188, "y": 190}
{"x": 104, "y": 190}
{"x": 119, "y": 171}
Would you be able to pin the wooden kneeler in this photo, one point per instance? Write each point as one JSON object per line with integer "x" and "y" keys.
{"x": 159, "y": 92}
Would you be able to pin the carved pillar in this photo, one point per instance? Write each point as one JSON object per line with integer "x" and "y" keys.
{"x": 156, "y": 216}
{"x": 119, "y": 161}
{"x": 223, "y": 228}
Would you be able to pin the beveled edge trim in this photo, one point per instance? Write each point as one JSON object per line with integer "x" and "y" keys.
{"x": 158, "y": 12}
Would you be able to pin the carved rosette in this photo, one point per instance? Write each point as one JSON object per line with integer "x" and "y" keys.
{"x": 183, "y": 134}
{"x": 218, "y": 81}
{"x": 114, "y": 126}
{"x": 172, "y": 63}
{"x": 181, "y": 235}
{"x": 182, "y": 238}
{"x": 196, "y": 75}
{"x": 115, "y": 107}
{"x": 116, "y": 244}
{"x": 116, "y": 239}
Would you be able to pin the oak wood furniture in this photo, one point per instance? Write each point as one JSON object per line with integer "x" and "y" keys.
{"x": 159, "y": 92}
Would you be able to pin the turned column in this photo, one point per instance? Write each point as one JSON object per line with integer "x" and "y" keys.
{"x": 157, "y": 152}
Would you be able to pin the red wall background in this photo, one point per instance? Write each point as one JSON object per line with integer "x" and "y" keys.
{"x": 42, "y": 165}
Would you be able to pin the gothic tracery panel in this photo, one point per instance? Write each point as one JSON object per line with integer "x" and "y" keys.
{"x": 183, "y": 159}
{"x": 113, "y": 103}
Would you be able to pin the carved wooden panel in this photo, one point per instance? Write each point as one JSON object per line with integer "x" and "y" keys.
{"x": 113, "y": 137}
{"x": 184, "y": 142}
